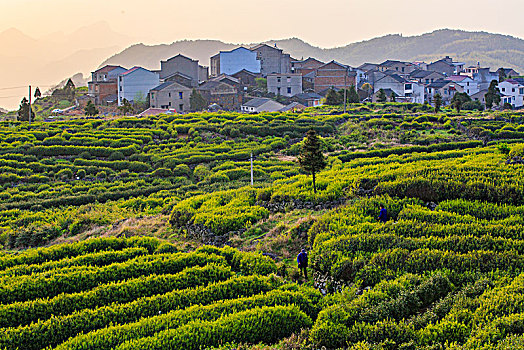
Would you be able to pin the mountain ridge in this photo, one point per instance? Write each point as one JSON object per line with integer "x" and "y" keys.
{"x": 491, "y": 49}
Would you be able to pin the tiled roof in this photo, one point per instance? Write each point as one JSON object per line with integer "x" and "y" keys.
{"x": 256, "y": 102}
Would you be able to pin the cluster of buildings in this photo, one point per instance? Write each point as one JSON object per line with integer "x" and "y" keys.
{"x": 232, "y": 82}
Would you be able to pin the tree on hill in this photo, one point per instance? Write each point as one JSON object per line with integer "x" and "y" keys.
{"x": 459, "y": 99}
{"x": 23, "y": 111}
{"x": 333, "y": 98}
{"x": 90, "y": 109}
{"x": 381, "y": 96}
{"x": 492, "y": 96}
{"x": 126, "y": 107}
{"x": 37, "y": 93}
{"x": 438, "y": 102}
{"x": 311, "y": 158}
{"x": 197, "y": 102}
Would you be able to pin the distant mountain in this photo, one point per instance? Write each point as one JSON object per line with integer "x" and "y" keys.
{"x": 47, "y": 60}
{"x": 494, "y": 50}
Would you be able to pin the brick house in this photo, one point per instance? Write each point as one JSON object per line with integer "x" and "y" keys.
{"x": 306, "y": 66}
{"x": 103, "y": 86}
{"x": 185, "y": 66}
{"x": 222, "y": 94}
{"x": 272, "y": 59}
{"x": 333, "y": 74}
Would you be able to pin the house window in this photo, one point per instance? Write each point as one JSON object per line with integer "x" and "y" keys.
{"x": 402, "y": 69}
{"x": 427, "y": 81}
{"x": 467, "y": 84}
{"x": 169, "y": 94}
{"x": 278, "y": 92}
{"x": 521, "y": 92}
{"x": 288, "y": 91}
{"x": 181, "y": 95}
{"x": 407, "y": 87}
{"x": 278, "y": 81}
{"x": 503, "y": 89}
{"x": 288, "y": 80}
{"x": 169, "y": 103}
{"x": 181, "y": 107}
{"x": 120, "y": 90}
{"x": 512, "y": 90}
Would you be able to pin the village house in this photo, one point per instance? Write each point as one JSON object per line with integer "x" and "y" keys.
{"x": 284, "y": 84}
{"x": 333, "y": 75}
{"x": 103, "y": 87}
{"x": 446, "y": 88}
{"x": 170, "y": 95}
{"x": 405, "y": 90}
{"x": 446, "y": 66}
{"x": 135, "y": 84}
{"x": 480, "y": 96}
{"x": 507, "y": 73}
{"x": 261, "y": 104}
{"x": 222, "y": 94}
{"x": 230, "y": 62}
{"x": 308, "y": 99}
{"x": 293, "y": 107}
{"x": 425, "y": 76}
{"x": 470, "y": 86}
{"x": 246, "y": 78}
{"x": 186, "y": 67}
{"x": 272, "y": 59}
{"x": 306, "y": 66}
{"x": 512, "y": 92}
{"x": 397, "y": 66}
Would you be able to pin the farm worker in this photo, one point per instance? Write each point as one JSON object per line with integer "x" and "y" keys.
{"x": 302, "y": 262}
{"x": 383, "y": 216}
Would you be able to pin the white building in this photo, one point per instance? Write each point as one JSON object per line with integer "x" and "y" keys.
{"x": 512, "y": 92}
{"x": 470, "y": 86}
{"x": 136, "y": 83}
{"x": 261, "y": 104}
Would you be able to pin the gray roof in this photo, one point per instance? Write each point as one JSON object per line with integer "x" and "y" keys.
{"x": 308, "y": 96}
{"x": 419, "y": 73}
{"x": 162, "y": 86}
{"x": 256, "y": 102}
{"x": 291, "y": 106}
{"x": 439, "y": 84}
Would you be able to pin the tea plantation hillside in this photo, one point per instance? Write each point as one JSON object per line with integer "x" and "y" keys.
{"x": 444, "y": 271}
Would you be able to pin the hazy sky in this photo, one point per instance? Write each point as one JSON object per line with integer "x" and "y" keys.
{"x": 324, "y": 23}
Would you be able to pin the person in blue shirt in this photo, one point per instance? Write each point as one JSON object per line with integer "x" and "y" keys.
{"x": 302, "y": 262}
{"x": 383, "y": 216}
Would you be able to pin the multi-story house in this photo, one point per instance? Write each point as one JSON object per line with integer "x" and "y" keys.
{"x": 284, "y": 84}
{"x": 446, "y": 66}
{"x": 425, "y": 76}
{"x": 170, "y": 95}
{"x": 221, "y": 93}
{"x": 469, "y": 85}
{"x": 272, "y": 59}
{"x": 446, "y": 88}
{"x": 306, "y": 66}
{"x": 135, "y": 83}
{"x": 333, "y": 75}
{"x": 405, "y": 90}
{"x": 397, "y": 66}
{"x": 181, "y": 65}
{"x": 103, "y": 87}
{"x": 512, "y": 92}
{"x": 231, "y": 62}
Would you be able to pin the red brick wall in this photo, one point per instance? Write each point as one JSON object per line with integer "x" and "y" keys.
{"x": 332, "y": 77}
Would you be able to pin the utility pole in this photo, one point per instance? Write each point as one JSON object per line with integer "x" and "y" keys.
{"x": 29, "y": 104}
{"x": 345, "y": 90}
{"x": 251, "y": 168}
